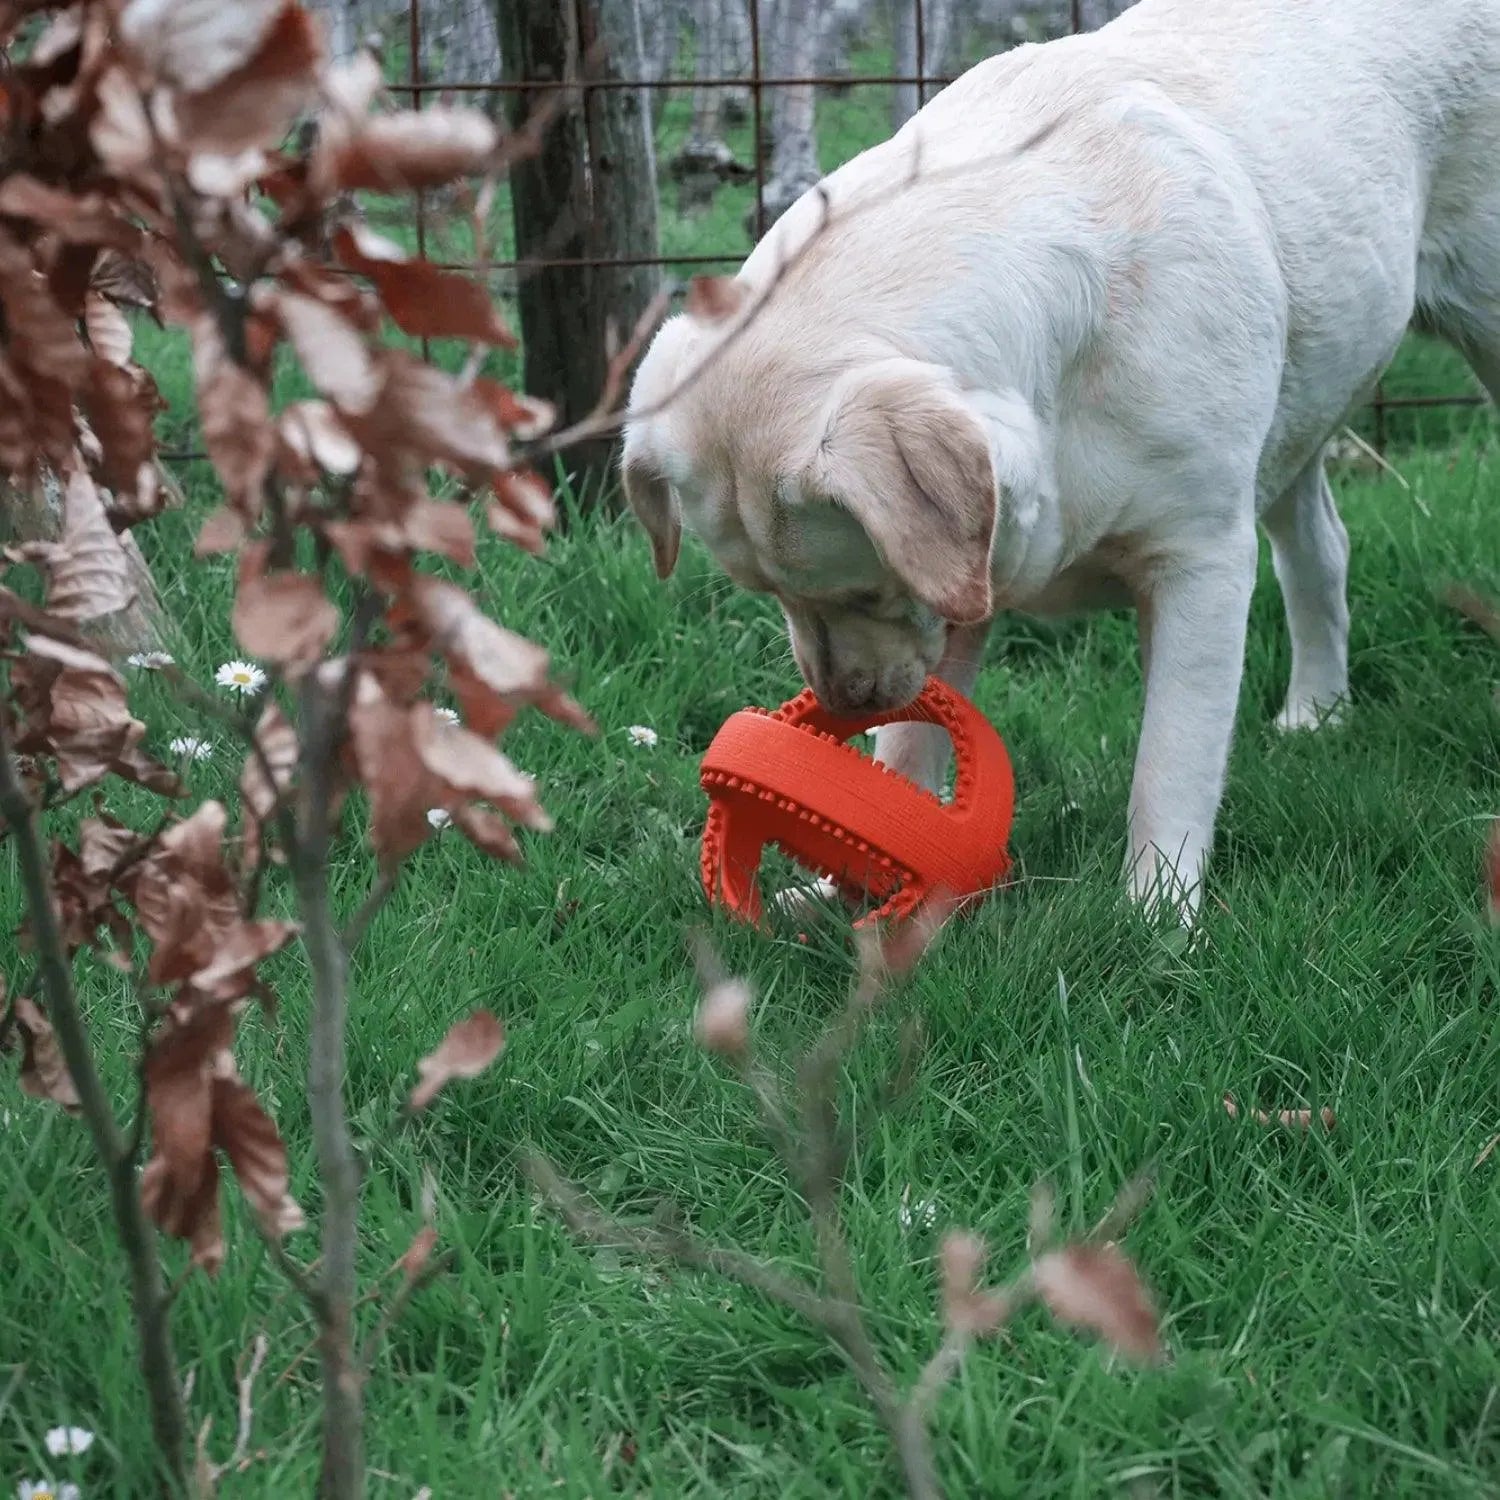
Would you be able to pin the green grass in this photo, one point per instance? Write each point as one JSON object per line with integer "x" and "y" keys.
{"x": 1330, "y": 1300}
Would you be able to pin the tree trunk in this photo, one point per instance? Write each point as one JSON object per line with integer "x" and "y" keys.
{"x": 708, "y": 62}
{"x": 794, "y": 167}
{"x": 706, "y": 158}
{"x": 589, "y": 195}
{"x": 735, "y": 58}
{"x": 34, "y": 514}
{"x": 936, "y": 50}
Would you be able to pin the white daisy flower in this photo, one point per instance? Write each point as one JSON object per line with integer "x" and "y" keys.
{"x": 149, "y": 661}
{"x": 921, "y": 1214}
{"x": 643, "y": 735}
{"x": 44, "y": 1489}
{"x": 242, "y": 677}
{"x": 439, "y": 817}
{"x": 69, "y": 1440}
{"x": 190, "y": 746}
{"x": 447, "y": 715}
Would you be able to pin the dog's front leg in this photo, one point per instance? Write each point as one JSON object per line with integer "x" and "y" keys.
{"x": 1193, "y": 617}
{"x": 921, "y": 752}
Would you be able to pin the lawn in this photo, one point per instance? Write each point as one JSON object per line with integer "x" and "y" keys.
{"x": 1330, "y": 1298}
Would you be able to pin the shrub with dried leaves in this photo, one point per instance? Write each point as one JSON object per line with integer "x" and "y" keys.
{"x": 147, "y": 170}
{"x": 1087, "y": 1283}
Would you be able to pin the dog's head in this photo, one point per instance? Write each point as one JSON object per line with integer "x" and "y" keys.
{"x": 864, "y": 497}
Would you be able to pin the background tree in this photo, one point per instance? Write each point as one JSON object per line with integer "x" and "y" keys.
{"x": 588, "y": 197}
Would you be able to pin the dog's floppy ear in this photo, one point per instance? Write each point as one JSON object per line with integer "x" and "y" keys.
{"x": 650, "y": 497}
{"x": 902, "y": 450}
{"x": 647, "y": 488}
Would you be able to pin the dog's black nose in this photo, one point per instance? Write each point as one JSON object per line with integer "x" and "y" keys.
{"x": 850, "y": 694}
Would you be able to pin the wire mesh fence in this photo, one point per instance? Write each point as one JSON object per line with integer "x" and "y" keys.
{"x": 738, "y": 106}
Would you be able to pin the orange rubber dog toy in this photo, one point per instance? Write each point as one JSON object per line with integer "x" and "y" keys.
{"x": 789, "y": 778}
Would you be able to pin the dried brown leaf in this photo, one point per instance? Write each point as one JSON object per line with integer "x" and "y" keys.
{"x": 190, "y": 1214}
{"x": 468, "y": 1049}
{"x": 524, "y": 417}
{"x": 39, "y": 334}
{"x": 332, "y": 352}
{"x": 230, "y": 973}
{"x": 186, "y": 900}
{"x": 423, "y": 300}
{"x": 193, "y": 44}
{"x": 493, "y": 669}
{"x": 236, "y": 416}
{"x": 488, "y": 832}
{"x": 103, "y": 843}
{"x": 1292, "y": 1119}
{"x": 407, "y": 150}
{"x": 75, "y": 709}
{"x": 522, "y": 510}
{"x": 88, "y": 572}
{"x": 429, "y": 417}
{"x": 120, "y": 131}
{"x": 224, "y": 530}
{"x": 401, "y": 789}
{"x": 179, "y": 1070}
{"x": 1096, "y": 1287}
{"x": 108, "y": 329}
{"x": 1492, "y": 870}
{"x": 44, "y": 1074}
{"x": 254, "y": 105}
{"x": 247, "y": 1135}
{"x": 283, "y": 618}
{"x": 121, "y": 403}
{"x": 312, "y": 435}
{"x": 127, "y": 280}
{"x": 267, "y": 775}
{"x": 470, "y": 767}
{"x": 75, "y": 219}
{"x": 414, "y": 1261}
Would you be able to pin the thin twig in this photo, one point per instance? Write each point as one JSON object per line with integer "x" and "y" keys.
{"x": 834, "y": 1315}
{"x": 370, "y": 908}
{"x": 343, "y": 1407}
{"x": 261, "y": 1349}
{"x": 585, "y": 1218}
{"x": 939, "y": 1370}
{"x": 397, "y": 1305}
{"x": 137, "y": 1240}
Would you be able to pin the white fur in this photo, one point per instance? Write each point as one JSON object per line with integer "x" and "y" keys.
{"x": 1147, "y": 272}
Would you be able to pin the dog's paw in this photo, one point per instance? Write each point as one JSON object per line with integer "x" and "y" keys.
{"x": 1160, "y": 892}
{"x": 1310, "y": 713}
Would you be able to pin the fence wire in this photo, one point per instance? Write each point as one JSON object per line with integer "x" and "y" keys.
{"x": 744, "y": 63}
{"x": 737, "y": 49}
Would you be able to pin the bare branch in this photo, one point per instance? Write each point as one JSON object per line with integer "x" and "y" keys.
{"x": 343, "y": 1413}
{"x": 148, "y": 1295}
{"x": 391, "y": 1313}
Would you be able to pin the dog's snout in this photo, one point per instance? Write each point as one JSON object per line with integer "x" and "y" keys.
{"x": 852, "y": 693}
{"x": 871, "y": 692}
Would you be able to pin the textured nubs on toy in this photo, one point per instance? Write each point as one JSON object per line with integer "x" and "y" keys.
{"x": 790, "y": 778}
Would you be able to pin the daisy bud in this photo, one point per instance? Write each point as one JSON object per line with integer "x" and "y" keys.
{"x": 967, "y": 1309}
{"x": 722, "y": 1023}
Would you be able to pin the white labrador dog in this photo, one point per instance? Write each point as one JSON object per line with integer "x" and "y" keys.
{"x": 1065, "y": 338}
